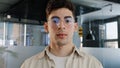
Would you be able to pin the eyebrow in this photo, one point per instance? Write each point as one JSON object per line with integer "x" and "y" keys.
{"x": 59, "y": 17}
{"x": 55, "y": 17}
{"x": 67, "y": 17}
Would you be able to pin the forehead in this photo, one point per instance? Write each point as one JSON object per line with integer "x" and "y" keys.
{"x": 61, "y": 13}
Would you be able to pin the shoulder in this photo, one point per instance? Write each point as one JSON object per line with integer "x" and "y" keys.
{"x": 32, "y": 60}
{"x": 37, "y": 56}
{"x": 92, "y": 60}
{"x": 86, "y": 55}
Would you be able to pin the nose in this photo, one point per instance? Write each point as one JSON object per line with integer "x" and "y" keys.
{"x": 61, "y": 25}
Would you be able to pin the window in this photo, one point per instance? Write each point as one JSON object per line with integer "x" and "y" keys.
{"x": 111, "y": 30}
{"x": 15, "y": 34}
{"x": 111, "y": 35}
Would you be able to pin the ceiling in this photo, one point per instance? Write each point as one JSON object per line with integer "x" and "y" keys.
{"x": 26, "y": 9}
{"x": 109, "y": 9}
{"x": 115, "y": 1}
{"x": 35, "y": 9}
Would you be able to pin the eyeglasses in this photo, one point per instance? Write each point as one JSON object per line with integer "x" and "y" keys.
{"x": 56, "y": 20}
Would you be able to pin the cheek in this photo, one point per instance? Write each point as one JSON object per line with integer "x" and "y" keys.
{"x": 52, "y": 30}
{"x": 70, "y": 28}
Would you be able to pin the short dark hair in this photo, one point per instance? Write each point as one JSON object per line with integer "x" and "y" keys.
{"x": 56, "y": 4}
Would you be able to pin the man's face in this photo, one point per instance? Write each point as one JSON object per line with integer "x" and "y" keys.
{"x": 61, "y": 26}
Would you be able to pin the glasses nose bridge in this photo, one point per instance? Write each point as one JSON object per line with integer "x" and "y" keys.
{"x": 62, "y": 22}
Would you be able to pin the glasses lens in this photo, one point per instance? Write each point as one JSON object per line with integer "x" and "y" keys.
{"x": 55, "y": 20}
{"x": 69, "y": 20}
{"x": 66, "y": 21}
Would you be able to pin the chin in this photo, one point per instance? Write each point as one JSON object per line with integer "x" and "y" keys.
{"x": 62, "y": 43}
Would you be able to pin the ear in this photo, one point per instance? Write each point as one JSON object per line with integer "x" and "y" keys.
{"x": 46, "y": 27}
{"x": 75, "y": 26}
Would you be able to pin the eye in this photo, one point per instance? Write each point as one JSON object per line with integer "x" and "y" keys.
{"x": 55, "y": 20}
{"x": 68, "y": 20}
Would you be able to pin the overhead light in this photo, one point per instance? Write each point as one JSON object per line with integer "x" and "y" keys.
{"x": 90, "y": 35}
{"x": 8, "y": 16}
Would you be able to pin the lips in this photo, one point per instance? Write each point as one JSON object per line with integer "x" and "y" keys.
{"x": 61, "y": 35}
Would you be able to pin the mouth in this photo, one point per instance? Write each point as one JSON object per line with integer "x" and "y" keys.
{"x": 61, "y": 35}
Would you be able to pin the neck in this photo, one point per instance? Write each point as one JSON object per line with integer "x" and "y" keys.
{"x": 61, "y": 51}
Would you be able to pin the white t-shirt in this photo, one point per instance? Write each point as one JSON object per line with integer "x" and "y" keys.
{"x": 59, "y": 61}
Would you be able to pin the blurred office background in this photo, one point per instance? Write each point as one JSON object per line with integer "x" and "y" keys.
{"x": 21, "y": 29}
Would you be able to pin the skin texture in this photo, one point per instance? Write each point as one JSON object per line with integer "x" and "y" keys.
{"x": 61, "y": 43}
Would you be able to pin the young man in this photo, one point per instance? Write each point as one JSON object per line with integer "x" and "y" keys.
{"x": 61, "y": 52}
